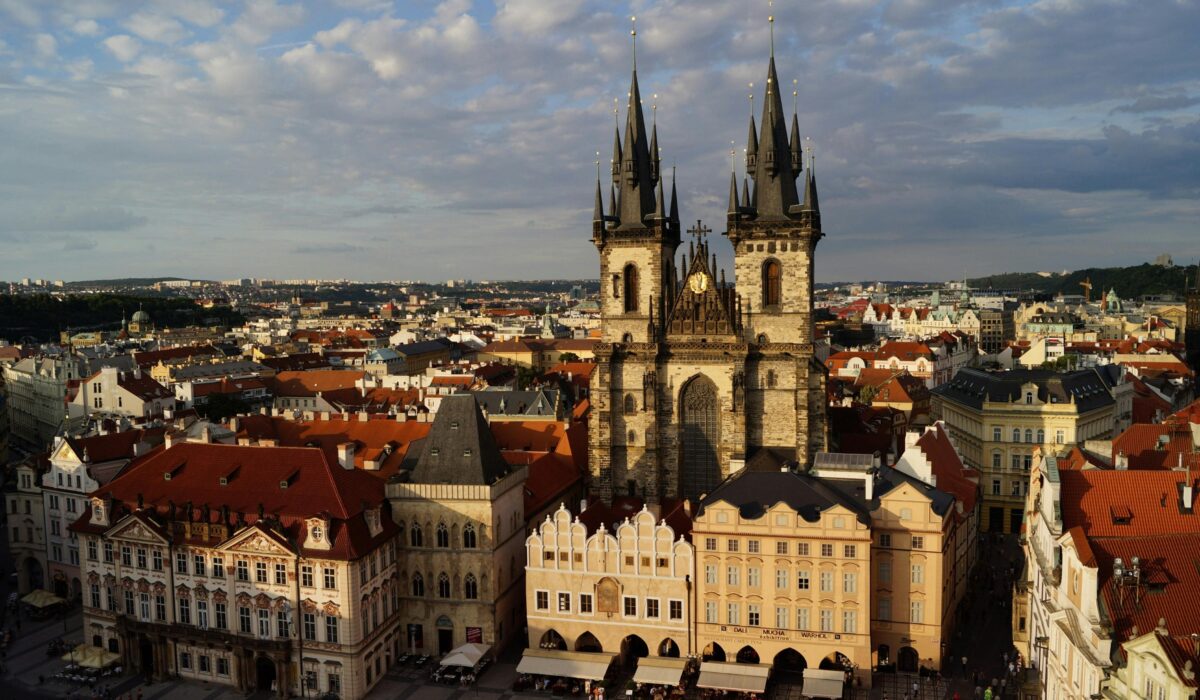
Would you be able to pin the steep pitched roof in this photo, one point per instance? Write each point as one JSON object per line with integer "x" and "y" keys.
{"x": 1089, "y": 499}
{"x": 460, "y": 448}
{"x": 309, "y": 383}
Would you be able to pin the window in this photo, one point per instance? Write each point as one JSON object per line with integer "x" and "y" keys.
{"x": 802, "y": 619}
{"x": 202, "y": 614}
{"x": 185, "y": 660}
{"x": 160, "y": 608}
{"x": 1016, "y": 487}
{"x": 1016, "y": 435}
{"x": 443, "y": 585}
{"x": 203, "y": 659}
{"x": 222, "y": 621}
{"x": 675, "y": 609}
{"x": 630, "y": 405}
{"x": 95, "y": 590}
{"x": 260, "y": 571}
{"x": 916, "y": 611}
{"x": 732, "y": 545}
{"x": 1060, "y": 436}
{"x": 802, "y": 580}
{"x": 469, "y": 536}
{"x": 91, "y": 546}
{"x": 126, "y": 552}
{"x": 997, "y": 459}
{"x": 185, "y": 611}
{"x": 731, "y": 575}
{"x": 631, "y": 288}
{"x": 849, "y": 621}
{"x": 997, "y": 434}
{"x": 906, "y": 514}
{"x": 710, "y": 574}
{"x": 754, "y": 577}
{"x": 218, "y": 567}
{"x": 995, "y": 487}
{"x": 443, "y": 536}
{"x": 330, "y": 578}
{"x": 415, "y": 536}
{"x": 781, "y": 547}
{"x": 826, "y": 581}
{"x": 850, "y": 551}
{"x": 310, "y": 626}
{"x": 335, "y": 683}
{"x": 885, "y": 608}
{"x": 771, "y": 284}
{"x": 244, "y": 620}
{"x": 802, "y": 549}
{"x": 885, "y": 539}
{"x": 733, "y": 614}
{"x": 585, "y": 603}
{"x": 826, "y": 550}
{"x": 1028, "y": 435}
{"x": 826, "y": 620}
{"x": 652, "y": 608}
{"x": 108, "y": 553}
{"x": 710, "y": 544}
{"x": 753, "y": 614}
{"x": 198, "y": 562}
{"x": 542, "y": 600}
{"x": 918, "y": 542}
{"x": 1016, "y": 462}
{"x": 280, "y": 574}
{"x": 281, "y": 625}
{"x": 564, "y": 602}
{"x": 753, "y": 546}
{"x": 180, "y": 561}
{"x": 1041, "y": 436}
{"x": 264, "y": 623}
{"x": 781, "y": 617}
{"x": 418, "y": 588}
{"x": 243, "y": 571}
{"x": 222, "y": 666}
{"x": 710, "y": 611}
{"x": 885, "y": 571}
{"x": 306, "y": 575}
{"x": 630, "y": 606}
{"x": 849, "y": 582}
{"x": 918, "y": 573}
{"x": 129, "y": 604}
{"x": 781, "y": 578}
{"x": 1029, "y": 397}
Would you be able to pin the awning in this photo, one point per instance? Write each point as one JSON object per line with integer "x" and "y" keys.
{"x": 659, "y": 670}
{"x": 467, "y": 655}
{"x": 89, "y": 656}
{"x": 41, "y": 599}
{"x": 565, "y": 664}
{"x": 743, "y": 678}
{"x": 823, "y": 684}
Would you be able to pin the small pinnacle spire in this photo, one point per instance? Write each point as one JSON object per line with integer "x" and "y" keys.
{"x": 746, "y": 201}
{"x": 751, "y": 144}
{"x": 797, "y": 152}
{"x": 654, "y": 157}
{"x": 660, "y": 211}
{"x": 674, "y": 199}
{"x": 612, "y": 201}
{"x": 616, "y": 158}
{"x": 733, "y": 196}
{"x": 598, "y": 212}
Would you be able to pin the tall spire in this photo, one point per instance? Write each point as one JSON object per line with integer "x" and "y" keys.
{"x": 637, "y": 174}
{"x": 597, "y": 212}
{"x": 774, "y": 181}
{"x": 797, "y": 151}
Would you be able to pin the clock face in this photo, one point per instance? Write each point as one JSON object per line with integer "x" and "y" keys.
{"x": 698, "y": 283}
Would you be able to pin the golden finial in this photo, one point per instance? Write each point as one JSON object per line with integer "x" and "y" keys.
{"x": 616, "y": 112}
{"x": 633, "y": 33}
{"x": 795, "y": 93}
{"x": 771, "y": 21}
{"x": 812, "y": 161}
{"x": 654, "y": 109}
{"x": 751, "y": 96}
{"x": 732, "y": 156}
{"x": 597, "y": 165}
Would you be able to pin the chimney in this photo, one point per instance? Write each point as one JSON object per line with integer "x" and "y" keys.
{"x": 234, "y": 424}
{"x": 1162, "y": 627}
{"x": 1122, "y": 461}
{"x": 363, "y": 416}
{"x": 1187, "y": 496}
{"x": 169, "y": 439}
{"x": 206, "y": 434}
{"x": 687, "y": 506}
{"x": 869, "y": 487}
{"x": 346, "y": 455}
{"x": 137, "y": 371}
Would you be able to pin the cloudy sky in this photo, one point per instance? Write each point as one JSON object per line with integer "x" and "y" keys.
{"x": 416, "y": 139}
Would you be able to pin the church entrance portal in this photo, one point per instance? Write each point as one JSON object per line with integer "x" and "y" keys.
{"x": 700, "y": 470}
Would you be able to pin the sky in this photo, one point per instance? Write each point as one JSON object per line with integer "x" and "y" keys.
{"x": 378, "y": 140}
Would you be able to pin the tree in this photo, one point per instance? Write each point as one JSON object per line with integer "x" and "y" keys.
{"x": 867, "y": 394}
{"x": 525, "y": 377}
{"x": 568, "y": 357}
{"x": 220, "y": 407}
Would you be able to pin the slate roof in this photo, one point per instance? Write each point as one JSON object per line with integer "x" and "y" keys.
{"x": 424, "y": 347}
{"x": 219, "y": 369}
{"x": 1088, "y": 388}
{"x": 540, "y": 402}
{"x": 460, "y": 448}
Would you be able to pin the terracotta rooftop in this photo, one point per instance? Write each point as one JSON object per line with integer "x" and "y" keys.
{"x": 309, "y": 383}
{"x": 1150, "y": 496}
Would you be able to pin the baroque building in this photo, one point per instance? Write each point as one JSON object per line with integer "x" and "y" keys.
{"x": 689, "y": 365}
{"x": 1192, "y": 323}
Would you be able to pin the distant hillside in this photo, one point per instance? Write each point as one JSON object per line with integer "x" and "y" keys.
{"x": 1130, "y": 282}
{"x": 43, "y": 316}
{"x": 123, "y": 282}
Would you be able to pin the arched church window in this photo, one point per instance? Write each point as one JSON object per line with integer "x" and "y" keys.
{"x": 700, "y": 436}
{"x": 415, "y": 537}
{"x": 469, "y": 536}
{"x": 631, "y": 438}
{"x": 630, "y": 404}
{"x": 443, "y": 586}
{"x": 470, "y": 587}
{"x": 631, "y": 288}
{"x": 418, "y": 586}
{"x": 443, "y": 535}
{"x": 771, "y": 283}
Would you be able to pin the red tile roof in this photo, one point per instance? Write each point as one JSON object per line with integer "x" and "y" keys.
{"x": 114, "y": 446}
{"x": 1151, "y": 496}
{"x": 1156, "y": 446}
{"x": 1171, "y": 579}
{"x": 227, "y": 386}
{"x": 384, "y": 440}
{"x": 905, "y": 351}
{"x": 309, "y": 383}
{"x": 952, "y": 475}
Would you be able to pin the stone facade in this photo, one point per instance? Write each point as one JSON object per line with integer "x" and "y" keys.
{"x": 26, "y": 529}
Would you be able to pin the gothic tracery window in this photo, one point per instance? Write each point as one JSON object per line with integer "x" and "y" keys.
{"x": 700, "y": 470}
{"x": 771, "y": 285}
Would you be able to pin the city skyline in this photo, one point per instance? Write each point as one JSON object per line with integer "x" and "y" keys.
{"x": 377, "y": 140}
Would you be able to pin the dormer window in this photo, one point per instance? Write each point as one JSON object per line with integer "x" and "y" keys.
{"x": 1029, "y": 397}
{"x": 317, "y": 533}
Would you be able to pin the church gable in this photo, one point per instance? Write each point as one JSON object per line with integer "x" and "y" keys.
{"x": 702, "y": 305}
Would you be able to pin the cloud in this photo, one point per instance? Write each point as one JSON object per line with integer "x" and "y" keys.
{"x": 86, "y": 27}
{"x": 46, "y": 46}
{"x": 327, "y": 249}
{"x": 1158, "y": 103}
{"x": 155, "y": 27}
{"x": 124, "y": 47}
{"x": 100, "y": 219}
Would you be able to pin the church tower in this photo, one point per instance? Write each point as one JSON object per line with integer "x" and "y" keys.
{"x": 689, "y": 365}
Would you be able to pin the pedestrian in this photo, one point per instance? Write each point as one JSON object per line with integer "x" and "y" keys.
{"x": 964, "y": 664}
{"x": 987, "y": 694}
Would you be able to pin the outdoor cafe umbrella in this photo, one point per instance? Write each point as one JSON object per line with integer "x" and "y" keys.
{"x": 41, "y": 599}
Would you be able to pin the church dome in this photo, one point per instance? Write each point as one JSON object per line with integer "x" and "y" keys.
{"x": 140, "y": 316}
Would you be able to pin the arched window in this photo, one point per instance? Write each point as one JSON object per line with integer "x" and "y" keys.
{"x": 470, "y": 587}
{"x": 630, "y": 404}
{"x": 631, "y": 288}
{"x": 1016, "y": 434}
{"x": 1029, "y": 397}
{"x": 415, "y": 537}
{"x": 443, "y": 536}
{"x": 1041, "y": 436}
{"x": 631, "y": 438}
{"x": 443, "y": 585}
{"x": 770, "y": 379}
{"x": 468, "y": 536}
{"x": 1028, "y": 435}
{"x": 418, "y": 586}
{"x": 771, "y": 291}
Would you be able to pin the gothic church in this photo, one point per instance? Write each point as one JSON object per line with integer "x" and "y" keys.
{"x": 697, "y": 376}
